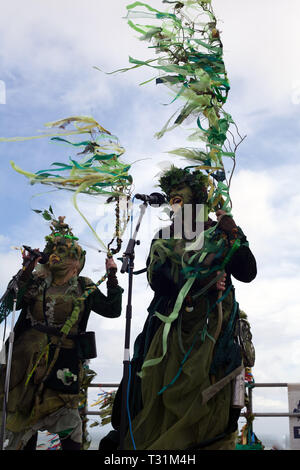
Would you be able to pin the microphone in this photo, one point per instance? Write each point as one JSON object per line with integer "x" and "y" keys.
{"x": 44, "y": 257}
{"x": 154, "y": 198}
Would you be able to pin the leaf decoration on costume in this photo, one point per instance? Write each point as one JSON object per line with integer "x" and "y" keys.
{"x": 95, "y": 170}
{"x": 105, "y": 400}
{"x": 190, "y": 63}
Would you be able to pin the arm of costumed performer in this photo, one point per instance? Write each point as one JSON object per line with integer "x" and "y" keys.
{"x": 109, "y": 305}
{"x": 242, "y": 264}
{"x": 24, "y": 283}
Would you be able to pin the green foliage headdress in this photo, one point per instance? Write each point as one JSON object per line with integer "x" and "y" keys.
{"x": 61, "y": 234}
{"x": 182, "y": 176}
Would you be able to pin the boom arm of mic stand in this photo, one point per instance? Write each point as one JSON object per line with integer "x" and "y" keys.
{"x": 127, "y": 266}
{"x": 128, "y": 255}
{"x": 129, "y": 252}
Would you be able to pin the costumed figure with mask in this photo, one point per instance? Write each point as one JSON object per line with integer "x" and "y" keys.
{"x": 51, "y": 343}
{"x": 188, "y": 354}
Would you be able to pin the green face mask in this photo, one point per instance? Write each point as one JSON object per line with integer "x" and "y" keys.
{"x": 181, "y": 195}
{"x": 62, "y": 247}
{"x": 64, "y": 256}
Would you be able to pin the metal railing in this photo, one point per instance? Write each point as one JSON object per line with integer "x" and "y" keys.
{"x": 249, "y": 406}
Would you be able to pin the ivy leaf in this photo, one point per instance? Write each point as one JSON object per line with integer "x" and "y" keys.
{"x": 46, "y": 215}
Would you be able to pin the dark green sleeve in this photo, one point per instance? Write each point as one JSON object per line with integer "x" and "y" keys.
{"x": 109, "y": 305}
{"x": 242, "y": 265}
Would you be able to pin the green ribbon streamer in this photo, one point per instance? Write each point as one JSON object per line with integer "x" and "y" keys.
{"x": 167, "y": 320}
{"x": 200, "y": 56}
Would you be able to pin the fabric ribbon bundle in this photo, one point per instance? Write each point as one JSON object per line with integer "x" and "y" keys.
{"x": 190, "y": 63}
{"x": 98, "y": 171}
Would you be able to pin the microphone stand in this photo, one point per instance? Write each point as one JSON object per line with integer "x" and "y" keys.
{"x": 12, "y": 287}
{"x": 127, "y": 266}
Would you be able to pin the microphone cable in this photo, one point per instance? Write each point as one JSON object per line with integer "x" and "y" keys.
{"x": 128, "y": 409}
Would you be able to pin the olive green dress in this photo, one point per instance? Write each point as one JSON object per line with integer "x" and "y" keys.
{"x": 167, "y": 406}
{"x": 32, "y": 404}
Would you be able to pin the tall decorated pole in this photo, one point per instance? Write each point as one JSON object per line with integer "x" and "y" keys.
{"x": 189, "y": 62}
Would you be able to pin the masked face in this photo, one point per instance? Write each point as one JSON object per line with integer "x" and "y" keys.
{"x": 62, "y": 260}
{"x": 179, "y": 196}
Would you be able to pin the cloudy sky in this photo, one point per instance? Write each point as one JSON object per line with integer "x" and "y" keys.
{"x": 47, "y": 72}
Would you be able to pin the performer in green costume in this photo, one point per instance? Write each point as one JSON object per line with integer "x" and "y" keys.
{"x": 50, "y": 343}
{"x": 187, "y": 344}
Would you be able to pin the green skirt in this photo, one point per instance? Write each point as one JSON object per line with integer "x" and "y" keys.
{"x": 176, "y": 419}
{"x": 27, "y": 404}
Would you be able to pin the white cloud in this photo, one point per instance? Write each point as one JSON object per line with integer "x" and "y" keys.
{"x": 265, "y": 204}
{"x": 3, "y": 239}
{"x": 66, "y": 38}
{"x": 83, "y": 97}
{"x": 263, "y": 404}
{"x": 260, "y": 42}
{"x": 66, "y": 34}
{"x": 10, "y": 263}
